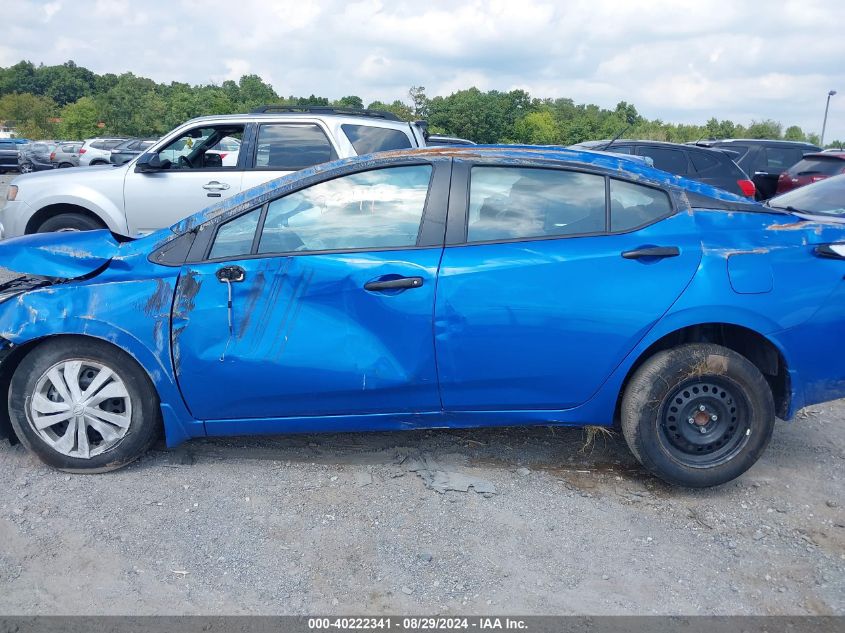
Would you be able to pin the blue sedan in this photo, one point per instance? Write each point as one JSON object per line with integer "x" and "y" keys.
{"x": 442, "y": 288}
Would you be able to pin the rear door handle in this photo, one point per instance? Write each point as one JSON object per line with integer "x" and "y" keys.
{"x": 657, "y": 252}
{"x": 215, "y": 185}
{"x": 394, "y": 284}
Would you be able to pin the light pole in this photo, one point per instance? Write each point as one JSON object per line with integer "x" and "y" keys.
{"x": 824, "y": 123}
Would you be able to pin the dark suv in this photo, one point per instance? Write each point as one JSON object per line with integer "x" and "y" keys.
{"x": 764, "y": 160}
{"x": 710, "y": 166}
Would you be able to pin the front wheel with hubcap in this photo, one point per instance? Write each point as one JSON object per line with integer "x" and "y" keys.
{"x": 697, "y": 415}
{"x": 83, "y": 406}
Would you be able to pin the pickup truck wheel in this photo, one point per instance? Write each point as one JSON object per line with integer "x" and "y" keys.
{"x": 83, "y": 406}
{"x": 70, "y": 222}
{"x": 697, "y": 415}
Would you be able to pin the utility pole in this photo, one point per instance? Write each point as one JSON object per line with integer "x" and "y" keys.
{"x": 824, "y": 123}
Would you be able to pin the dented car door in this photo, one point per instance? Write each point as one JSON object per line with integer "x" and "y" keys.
{"x": 317, "y": 303}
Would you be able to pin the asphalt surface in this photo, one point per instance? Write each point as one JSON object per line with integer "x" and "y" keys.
{"x": 366, "y": 523}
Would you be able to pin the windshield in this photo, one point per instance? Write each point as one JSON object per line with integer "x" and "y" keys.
{"x": 826, "y": 197}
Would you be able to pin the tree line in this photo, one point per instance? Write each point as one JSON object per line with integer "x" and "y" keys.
{"x": 71, "y": 102}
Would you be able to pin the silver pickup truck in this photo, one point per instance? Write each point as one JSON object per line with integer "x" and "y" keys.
{"x": 191, "y": 168}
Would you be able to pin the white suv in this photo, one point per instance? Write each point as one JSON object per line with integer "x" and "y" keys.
{"x": 199, "y": 163}
{"x": 97, "y": 151}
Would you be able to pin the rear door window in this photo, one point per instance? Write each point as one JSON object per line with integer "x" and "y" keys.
{"x": 509, "y": 203}
{"x": 367, "y": 139}
{"x": 290, "y": 147}
{"x": 672, "y": 160}
{"x": 782, "y": 158}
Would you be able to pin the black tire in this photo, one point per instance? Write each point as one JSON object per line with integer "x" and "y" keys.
{"x": 94, "y": 163}
{"x": 723, "y": 440}
{"x": 70, "y": 222}
{"x": 26, "y": 168}
{"x": 65, "y": 165}
{"x": 145, "y": 415}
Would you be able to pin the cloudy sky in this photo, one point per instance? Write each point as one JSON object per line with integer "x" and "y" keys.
{"x": 677, "y": 60}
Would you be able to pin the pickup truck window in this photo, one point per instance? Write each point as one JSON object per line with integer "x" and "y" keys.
{"x": 367, "y": 139}
{"x": 290, "y": 147}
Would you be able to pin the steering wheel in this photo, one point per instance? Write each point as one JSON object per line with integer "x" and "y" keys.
{"x": 184, "y": 162}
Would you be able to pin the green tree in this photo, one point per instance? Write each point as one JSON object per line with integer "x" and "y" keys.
{"x": 253, "y": 92}
{"x": 793, "y": 133}
{"x": 352, "y": 101}
{"x": 537, "y": 128}
{"x": 79, "y": 120}
{"x": 32, "y": 114}
{"x": 419, "y": 102}
{"x": 397, "y": 107}
{"x": 765, "y": 129}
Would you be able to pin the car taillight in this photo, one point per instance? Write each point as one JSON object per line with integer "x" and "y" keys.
{"x": 52, "y": 156}
{"x": 222, "y": 156}
{"x": 82, "y": 150}
{"x": 747, "y": 187}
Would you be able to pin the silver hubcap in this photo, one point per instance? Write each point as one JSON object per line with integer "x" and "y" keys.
{"x": 81, "y": 408}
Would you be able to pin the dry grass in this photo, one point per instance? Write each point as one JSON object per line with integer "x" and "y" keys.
{"x": 591, "y": 433}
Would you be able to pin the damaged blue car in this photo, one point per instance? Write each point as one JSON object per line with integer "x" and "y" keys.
{"x": 441, "y": 288}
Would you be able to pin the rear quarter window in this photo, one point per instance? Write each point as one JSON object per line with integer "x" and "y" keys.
{"x": 633, "y": 205}
{"x": 672, "y": 160}
{"x": 821, "y": 166}
{"x": 712, "y": 164}
{"x": 367, "y": 139}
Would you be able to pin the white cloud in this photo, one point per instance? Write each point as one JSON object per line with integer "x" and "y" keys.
{"x": 679, "y": 60}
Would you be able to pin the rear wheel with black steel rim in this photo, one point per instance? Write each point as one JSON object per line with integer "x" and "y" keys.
{"x": 697, "y": 415}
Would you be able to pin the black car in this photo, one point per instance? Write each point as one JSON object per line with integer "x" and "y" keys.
{"x": 9, "y": 154}
{"x": 710, "y": 166}
{"x": 439, "y": 140}
{"x": 763, "y": 159}
{"x": 129, "y": 149}
{"x": 35, "y": 156}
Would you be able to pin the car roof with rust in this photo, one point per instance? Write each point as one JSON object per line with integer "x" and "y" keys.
{"x": 696, "y": 194}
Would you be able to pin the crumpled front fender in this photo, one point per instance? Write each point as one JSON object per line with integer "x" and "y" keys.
{"x": 57, "y": 255}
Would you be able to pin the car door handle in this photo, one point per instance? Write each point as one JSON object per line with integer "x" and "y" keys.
{"x": 400, "y": 283}
{"x": 230, "y": 274}
{"x": 657, "y": 252}
{"x": 215, "y": 186}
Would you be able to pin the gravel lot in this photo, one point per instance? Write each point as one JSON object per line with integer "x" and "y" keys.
{"x": 353, "y": 523}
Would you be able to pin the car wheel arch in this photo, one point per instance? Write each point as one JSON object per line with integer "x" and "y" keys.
{"x": 51, "y": 210}
{"x": 747, "y": 342}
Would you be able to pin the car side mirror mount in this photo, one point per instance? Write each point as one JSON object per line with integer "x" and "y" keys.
{"x": 151, "y": 162}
